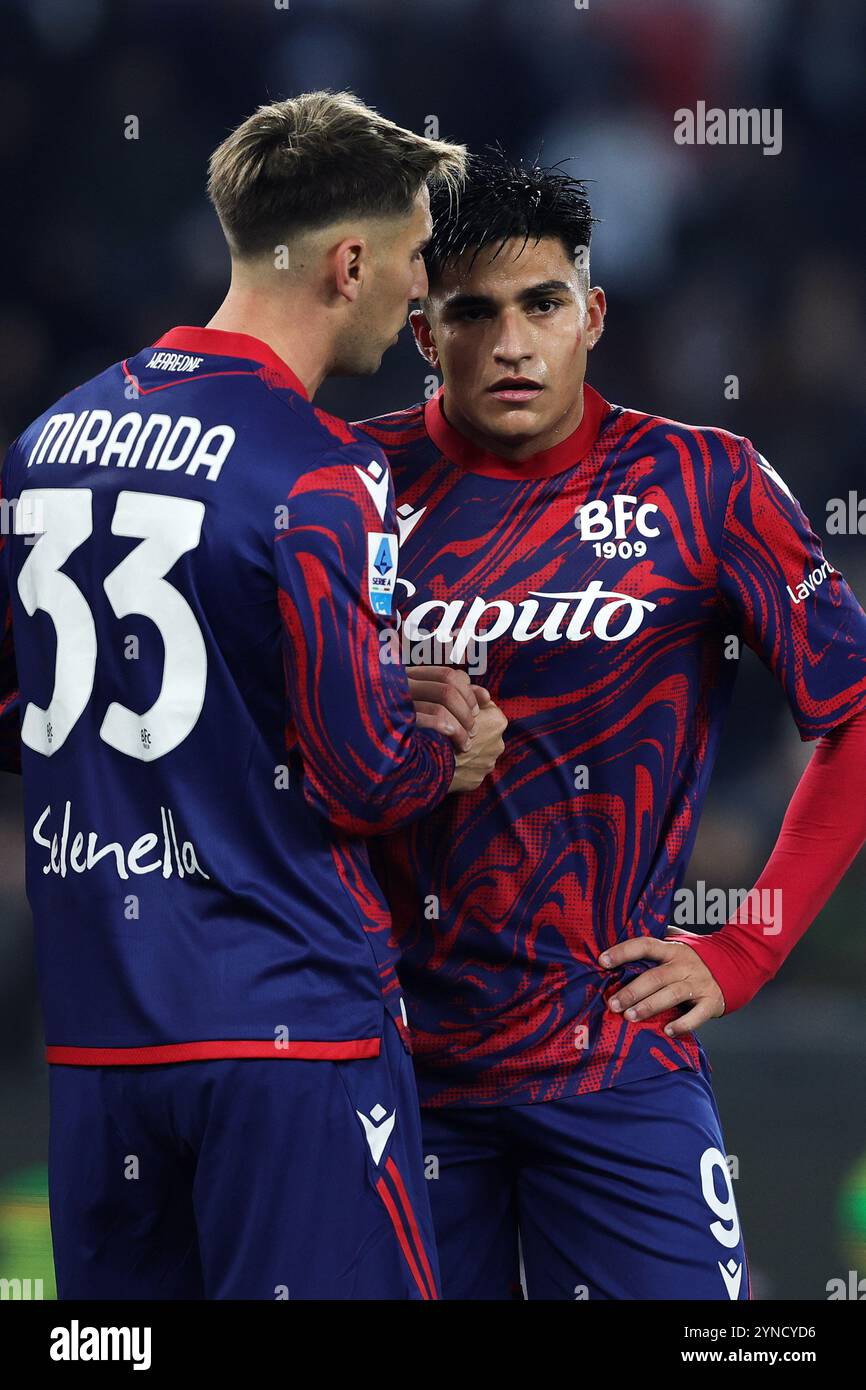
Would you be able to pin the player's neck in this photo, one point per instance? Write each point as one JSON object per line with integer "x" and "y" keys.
{"x": 291, "y": 335}
{"x": 518, "y": 449}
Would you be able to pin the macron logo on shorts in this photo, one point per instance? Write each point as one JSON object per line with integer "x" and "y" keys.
{"x": 377, "y": 1127}
{"x": 732, "y": 1273}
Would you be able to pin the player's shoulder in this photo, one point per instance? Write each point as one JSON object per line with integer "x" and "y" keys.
{"x": 649, "y": 428}
{"x": 319, "y": 438}
{"x": 57, "y": 419}
{"x": 714, "y": 453}
{"x": 337, "y": 437}
{"x": 396, "y": 432}
{"x": 263, "y": 394}
{"x": 265, "y": 409}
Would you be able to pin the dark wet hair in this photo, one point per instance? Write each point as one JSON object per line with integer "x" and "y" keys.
{"x": 501, "y": 200}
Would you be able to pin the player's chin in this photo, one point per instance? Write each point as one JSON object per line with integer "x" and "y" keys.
{"x": 374, "y": 352}
{"x": 511, "y": 419}
{"x": 359, "y": 364}
{"x": 370, "y": 365}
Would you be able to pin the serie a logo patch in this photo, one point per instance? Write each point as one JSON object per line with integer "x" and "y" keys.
{"x": 381, "y": 569}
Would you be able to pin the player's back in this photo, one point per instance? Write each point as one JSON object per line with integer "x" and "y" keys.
{"x": 173, "y": 621}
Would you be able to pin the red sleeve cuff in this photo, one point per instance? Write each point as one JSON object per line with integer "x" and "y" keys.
{"x": 823, "y": 830}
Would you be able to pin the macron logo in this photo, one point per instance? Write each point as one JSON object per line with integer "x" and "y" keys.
{"x": 771, "y": 473}
{"x": 377, "y": 1128}
{"x": 375, "y": 480}
{"x": 407, "y": 520}
{"x": 732, "y": 1274}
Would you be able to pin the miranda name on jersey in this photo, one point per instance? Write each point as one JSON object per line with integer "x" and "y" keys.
{"x": 95, "y": 437}
{"x": 176, "y": 858}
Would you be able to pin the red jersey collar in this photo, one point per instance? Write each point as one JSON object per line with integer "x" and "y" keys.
{"x": 460, "y": 450}
{"x": 214, "y": 342}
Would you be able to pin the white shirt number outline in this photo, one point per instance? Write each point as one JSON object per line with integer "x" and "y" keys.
{"x": 168, "y": 527}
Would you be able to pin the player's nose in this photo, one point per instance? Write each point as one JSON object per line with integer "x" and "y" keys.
{"x": 420, "y": 284}
{"x": 511, "y": 341}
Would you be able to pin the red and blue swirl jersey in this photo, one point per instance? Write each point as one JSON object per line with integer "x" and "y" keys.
{"x": 194, "y": 595}
{"x": 595, "y": 591}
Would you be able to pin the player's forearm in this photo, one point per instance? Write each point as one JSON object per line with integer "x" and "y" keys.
{"x": 405, "y": 786}
{"x": 823, "y": 830}
{"x": 368, "y": 767}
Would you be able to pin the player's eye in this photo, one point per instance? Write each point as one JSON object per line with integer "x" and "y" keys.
{"x": 473, "y": 314}
{"x": 546, "y": 306}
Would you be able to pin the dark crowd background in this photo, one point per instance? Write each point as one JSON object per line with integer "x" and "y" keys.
{"x": 717, "y": 261}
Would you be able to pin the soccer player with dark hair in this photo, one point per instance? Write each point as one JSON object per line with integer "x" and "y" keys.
{"x": 590, "y": 564}
{"x": 195, "y": 591}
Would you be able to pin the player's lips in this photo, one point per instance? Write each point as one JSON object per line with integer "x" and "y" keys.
{"x": 515, "y": 388}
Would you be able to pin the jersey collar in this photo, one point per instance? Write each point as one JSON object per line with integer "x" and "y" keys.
{"x": 460, "y": 450}
{"x": 215, "y": 342}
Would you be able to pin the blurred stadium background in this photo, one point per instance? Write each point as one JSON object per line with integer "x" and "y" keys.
{"x": 716, "y": 261}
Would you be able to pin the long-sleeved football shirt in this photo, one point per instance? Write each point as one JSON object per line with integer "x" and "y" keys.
{"x": 200, "y": 571}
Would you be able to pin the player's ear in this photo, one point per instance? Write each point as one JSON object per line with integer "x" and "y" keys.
{"x": 424, "y": 337}
{"x": 596, "y": 308}
{"x": 348, "y": 259}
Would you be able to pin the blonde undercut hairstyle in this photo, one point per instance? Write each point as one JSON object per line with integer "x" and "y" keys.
{"x": 297, "y": 165}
